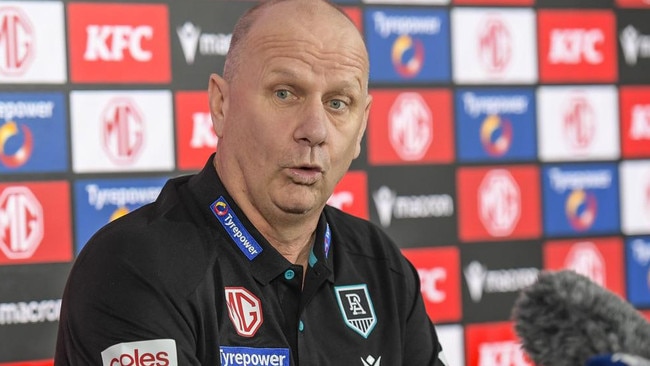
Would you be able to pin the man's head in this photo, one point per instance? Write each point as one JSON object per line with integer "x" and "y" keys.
{"x": 292, "y": 108}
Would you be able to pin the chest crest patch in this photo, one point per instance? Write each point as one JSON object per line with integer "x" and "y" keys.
{"x": 356, "y": 308}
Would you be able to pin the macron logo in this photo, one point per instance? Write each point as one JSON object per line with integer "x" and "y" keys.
{"x": 156, "y": 352}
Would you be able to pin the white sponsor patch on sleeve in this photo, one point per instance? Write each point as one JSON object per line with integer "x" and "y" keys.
{"x": 155, "y": 352}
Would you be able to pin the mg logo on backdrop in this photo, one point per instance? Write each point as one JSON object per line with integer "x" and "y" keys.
{"x": 21, "y": 220}
{"x": 245, "y": 310}
{"x": 495, "y": 45}
{"x": 123, "y": 130}
{"x": 579, "y": 123}
{"x": 16, "y": 41}
{"x": 499, "y": 202}
{"x": 410, "y": 126}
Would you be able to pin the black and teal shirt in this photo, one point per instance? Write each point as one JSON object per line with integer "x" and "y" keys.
{"x": 188, "y": 280}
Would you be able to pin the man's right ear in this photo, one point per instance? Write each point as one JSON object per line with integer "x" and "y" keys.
{"x": 218, "y": 97}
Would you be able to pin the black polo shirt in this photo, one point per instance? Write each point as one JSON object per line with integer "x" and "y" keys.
{"x": 188, "y": 280}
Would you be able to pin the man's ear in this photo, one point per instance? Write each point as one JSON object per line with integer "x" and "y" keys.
{"x": 218, "y": 96}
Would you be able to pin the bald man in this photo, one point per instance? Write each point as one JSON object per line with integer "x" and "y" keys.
{"x": 244, "y": 263}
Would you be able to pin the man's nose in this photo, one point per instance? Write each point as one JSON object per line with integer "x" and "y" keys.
{"x": 313, "y": 121}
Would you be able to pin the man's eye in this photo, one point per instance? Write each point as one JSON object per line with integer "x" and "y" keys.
{"x": 337, "y": 104}
{"x": 282, "y": 94}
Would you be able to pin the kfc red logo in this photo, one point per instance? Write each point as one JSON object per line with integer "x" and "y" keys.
{"x": 119, "y": 43}
{"x": 579, "y": 123}
{"x": 351, "y": 194}
{"x": 439, "y": 272}
{"x": 583, "y": 51}
{"x": 494, "y": 344}
{"x": 21, "y": 222}
{"x": 635, "y": 121}
{"x": 195, "y": 137}
{"x": 410, "y": 127}
{"x": 244, "y": 310}
{"x": 495, "y": 45}
{"x": 498, "y": 203}
{"x": 16, "y": 41}
{"x": 123, "y": 130}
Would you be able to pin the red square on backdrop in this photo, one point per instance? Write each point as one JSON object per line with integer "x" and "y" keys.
{"x": 351, "y": 194}
{"x": 635, "y": 121}
{"x": 195, "y": 136}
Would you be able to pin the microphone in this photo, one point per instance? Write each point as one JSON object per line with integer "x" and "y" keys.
{"x": 565, "y": 319}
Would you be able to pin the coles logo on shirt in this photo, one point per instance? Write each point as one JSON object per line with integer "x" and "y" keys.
{"x": 412, "y": 127}
{"x": 35, "y": 223}
{"x": 494, "y": 344}
{"x": 152, "y": 352}
{"x": 195, "y": 138}
{"x": 351, "y": 194}
{"x": 600, "y": 259}
{"x": 577, "y": 45}
{"x": 119, "y": 43}
{"x": 439, "y": 271}
{"x": 635, "y": 121}
{"x": 498, "y": 203}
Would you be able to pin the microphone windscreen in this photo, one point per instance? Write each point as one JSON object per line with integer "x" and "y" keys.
{"x": 564, "y": 318}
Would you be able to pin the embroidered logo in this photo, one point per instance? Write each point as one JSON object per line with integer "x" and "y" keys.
{"x": 371, "y": 361}
{"x": 356, "y": 307}
{"x": 327, "y": 240}
{"x": 244, "y": 310}
{"x": 238, "y": 233}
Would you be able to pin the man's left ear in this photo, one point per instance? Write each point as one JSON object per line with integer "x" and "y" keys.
{"x": 218, "y": 98}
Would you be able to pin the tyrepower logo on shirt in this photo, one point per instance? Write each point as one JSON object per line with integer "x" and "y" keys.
{"x": 35, "y": 223}
{"x": 32, "y": 42}
{"x": 581, "y": 199}
{"x": 439, "y": 271}
{"x": 351, "y": 194}
{"x": 195, "y": 138}
{"x": 119, "y": 43}
{"x": 577, "y": 123}
{"x": 497, "y": 203}
{"x": 635, "y": 121}
{"x": 600, "y": 259}
{"x": 121, "y": 131}
{"x": 493, "y": 46}
{"x": 254, "y": 356}
{"x": 494, "y": 344}
{"x": 157, "y": 352}
{"x": 577, "y": 46}
{"x": 635, "y": 196}
{"x": 413, "y": 127}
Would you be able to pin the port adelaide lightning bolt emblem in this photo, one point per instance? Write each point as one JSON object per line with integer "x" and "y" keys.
{"x": 356, "y": 307}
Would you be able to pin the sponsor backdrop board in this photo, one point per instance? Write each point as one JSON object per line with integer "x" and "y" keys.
{"x": 506, "y": 137}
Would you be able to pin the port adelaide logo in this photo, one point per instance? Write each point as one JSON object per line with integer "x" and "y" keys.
{"x": 356, "y": 307}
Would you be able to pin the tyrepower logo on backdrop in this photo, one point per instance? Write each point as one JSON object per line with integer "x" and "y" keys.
{"x": 35, "y": 223}
{"x": 638, "y": 270}
{"x": 412, "y": 127}
{"x": 98, "y": 202}
{"x": 439, "y": 271}
{"x": 408, "y": 45}
{"x": 121, "y": 131}
{"x": 496, "y": 125}
{"x": 635, "y": 121}
{"x": 195, "y": 139}
{"x": 635, "y": 197}
{"x": 581, "y": 199}
{"x": 33, "y": 133}
{"x": 119, "y": 43}
{"x": 494, "y": 344}
{"x": 577, "y": 46}
{"x": 493, "y": 46}
{"x": 32, "y": 42}
{"x": 600, "y": 259}
{"x": 497, "y": 203}
{"x": 578, "y": 123}
{"x": 351, "y": 194}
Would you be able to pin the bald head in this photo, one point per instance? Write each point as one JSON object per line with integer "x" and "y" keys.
{"x": 280, "y": 12}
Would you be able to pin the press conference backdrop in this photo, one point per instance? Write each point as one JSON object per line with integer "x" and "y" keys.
{"x": 506, "y": 137}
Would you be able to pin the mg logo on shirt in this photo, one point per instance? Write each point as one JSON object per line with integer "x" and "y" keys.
{"x": 356, "y": 308}
{"x": 244, "y": 310}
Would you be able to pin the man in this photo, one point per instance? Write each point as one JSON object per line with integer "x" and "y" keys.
{"x": 243, "y": 264}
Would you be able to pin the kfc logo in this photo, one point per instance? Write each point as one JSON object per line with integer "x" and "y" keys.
{"x": 119, "y": 43}
{"x": 123, "y": 130}
{"x": 410, "y": 126}
{"x": 16, "y": 41}
{"x": 494, "y": 344}
{"x": 640, "y": 126}
{"x": 585, "y": 51}
{"x": 350, "y": 194}
{"x": 21, "y": 222}
{"x": 244, "y": 310}
{"x": 635, "y": 121}
{"x": 579, "y": 123}
{"x": 499, "y": 202}
{"x": 495, "y": 45}
{"x": 506, "y": 353}
{"x": 195, "y": 136}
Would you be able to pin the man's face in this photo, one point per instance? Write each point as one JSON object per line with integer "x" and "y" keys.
{"x": 297, "y": 110}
